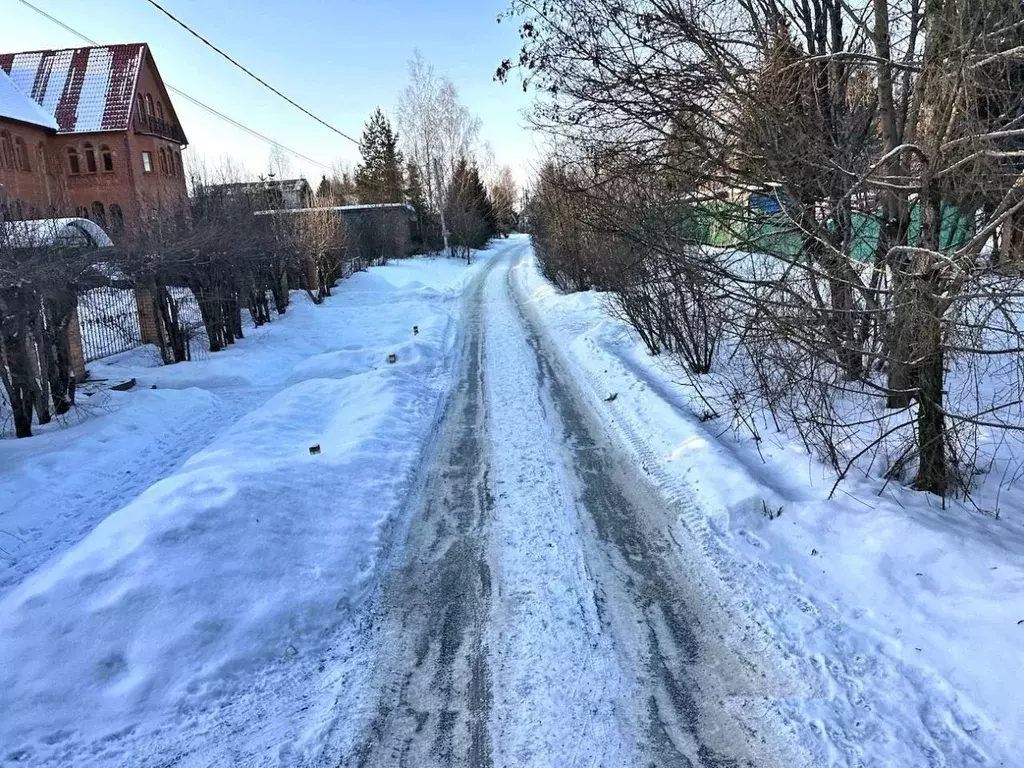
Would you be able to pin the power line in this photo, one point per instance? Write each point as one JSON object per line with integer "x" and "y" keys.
{"x": 247, "y": 71}
{"x": 193, "y": 99}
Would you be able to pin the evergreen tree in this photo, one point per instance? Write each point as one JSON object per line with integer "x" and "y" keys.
{"x": 427, "y": 236}
{"x": 326, "y": 190}
{"x": 471, "y": 218}
{"x": 379, "y": 176}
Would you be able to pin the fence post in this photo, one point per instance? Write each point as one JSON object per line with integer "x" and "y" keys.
{"x": 75, "y": 345}
{"x": 147, "y": 317}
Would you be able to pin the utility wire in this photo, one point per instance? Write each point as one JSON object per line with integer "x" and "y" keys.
{"x": 247, "y": 71}
{"x": 194, "y": 100}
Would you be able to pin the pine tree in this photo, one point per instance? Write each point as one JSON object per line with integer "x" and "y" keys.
{"x": 379, "y": 177}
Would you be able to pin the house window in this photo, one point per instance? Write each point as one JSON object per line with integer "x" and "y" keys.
{"x": 74, "y": 162}
{"x": 20, "y": 155}
{"x": 147, "y": 162}
{"x": 6, "y": 150}
{"x": 107, "y": 158}
{"x": 177, "y": 163}
{"x": 99, "y": 215}
{"x": 116, "y": 218}
{"x": 90, "y": 158}
{"x": 163, "y": 161}
{"x": 160, "y": 110}
{"x": 81, "y": 212}
{"x": 149, "y": 105}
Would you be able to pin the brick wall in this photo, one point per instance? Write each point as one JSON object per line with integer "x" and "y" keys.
{"x": 77, "y": 351}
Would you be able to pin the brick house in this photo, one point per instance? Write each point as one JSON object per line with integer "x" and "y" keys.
{"x": 90, "y": 133}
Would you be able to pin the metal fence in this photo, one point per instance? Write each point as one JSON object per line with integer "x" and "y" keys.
{"x": 109, "y": 321}
{"x": 191, "y": 320}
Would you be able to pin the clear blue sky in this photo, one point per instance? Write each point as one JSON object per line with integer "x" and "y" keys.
{"x": 339, "y": 58}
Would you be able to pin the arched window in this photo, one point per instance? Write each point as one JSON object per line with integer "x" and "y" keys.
{"x": 177, "y": 163}
{"x": 74, "y": 162}
{"x": 106, "y": 158}
{"x": 81, "y": 212}
{"x": 149, "y": 104}
{"x": 90, "y": 158}
{"x": 20, "y": 155}
{"x": 41, "y": 156}
{"x": 164, "y": 167}
{"x": 116, "y": 218}
{"x": 6, "y": 150}
{"x": 159, "y": 109}
{"x": 99, "y": 215}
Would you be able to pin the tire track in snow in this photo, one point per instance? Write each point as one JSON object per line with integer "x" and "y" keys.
{"x": 653, "y": 603}
{"x": 434, "y": 691}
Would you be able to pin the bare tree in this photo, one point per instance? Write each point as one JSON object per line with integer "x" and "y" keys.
{"x": 855, "y": 159}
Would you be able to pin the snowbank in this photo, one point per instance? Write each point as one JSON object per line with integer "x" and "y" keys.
{"x": 205, "y": 619}
{"x": 900, "y": 615}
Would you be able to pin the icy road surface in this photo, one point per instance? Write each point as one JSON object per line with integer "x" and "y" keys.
{"x": 541, "y": 610}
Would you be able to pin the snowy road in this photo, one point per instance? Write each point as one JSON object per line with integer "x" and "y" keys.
{"x": 541, "y": 611}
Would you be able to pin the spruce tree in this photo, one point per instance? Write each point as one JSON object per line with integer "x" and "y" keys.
{"x": 470, "y": 213}
{"x": 428, "y": 228}
{"x": 379, "y": 177}
{"x": 326, "y": 190}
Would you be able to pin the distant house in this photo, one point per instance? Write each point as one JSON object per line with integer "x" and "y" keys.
{"x": 89, "y": 133}
{"x": 266, "y": 194}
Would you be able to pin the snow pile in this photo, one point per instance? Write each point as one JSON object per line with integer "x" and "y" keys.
{"x": 902, "y": 617}
{"x": 205, "y": 619}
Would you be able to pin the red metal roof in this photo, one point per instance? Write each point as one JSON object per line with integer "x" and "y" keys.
{"x": 85, "y": 89}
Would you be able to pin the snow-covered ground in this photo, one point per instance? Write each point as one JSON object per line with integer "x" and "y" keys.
{"x": 176, "y": 565}
{"x": 903, "y": 619}
{"x": 182, "y": 582}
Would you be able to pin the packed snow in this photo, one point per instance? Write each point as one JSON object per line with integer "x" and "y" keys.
{"x": 903, "y": 618}
{"x": 177, "y": 563}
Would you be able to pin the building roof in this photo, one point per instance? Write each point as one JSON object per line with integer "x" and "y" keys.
{"x": 14, "y": 105}
{"x": 293, "y": 185}
{"x": 344, "y": 208}
{"x": 84, "y": 89}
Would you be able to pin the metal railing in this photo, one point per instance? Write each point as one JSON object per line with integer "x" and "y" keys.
{"x": 109, "y": 320}
{"x": 146, "y": 123}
